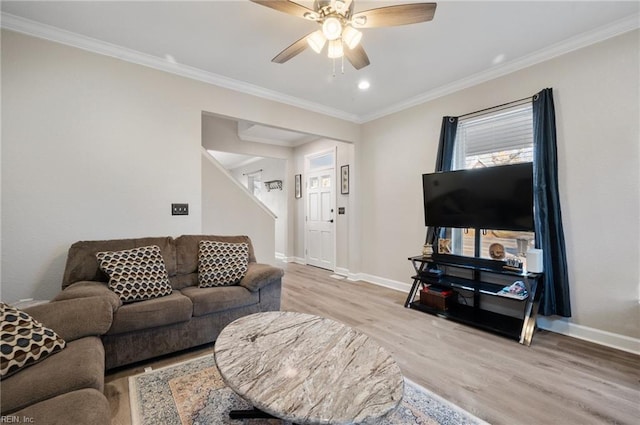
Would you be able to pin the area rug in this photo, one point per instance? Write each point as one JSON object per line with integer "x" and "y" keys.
{"x": 193, "y": 393}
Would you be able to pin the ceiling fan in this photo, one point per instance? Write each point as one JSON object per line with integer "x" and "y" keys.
{"x": 339, "y": 26}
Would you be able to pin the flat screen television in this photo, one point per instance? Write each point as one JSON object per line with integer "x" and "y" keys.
{"x": 499, "y": 198}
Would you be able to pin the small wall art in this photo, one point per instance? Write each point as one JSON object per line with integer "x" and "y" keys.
{"x": 298, "y": 186}
{"x": 344, "y": 180}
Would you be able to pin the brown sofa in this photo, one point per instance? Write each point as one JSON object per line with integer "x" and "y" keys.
{"x": 188, "y": 317}
{"x": 66, "y": 387}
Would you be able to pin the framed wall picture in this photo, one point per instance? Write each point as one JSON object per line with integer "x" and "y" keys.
{"x": 344, "y": 179}
{"x": 298, "y": 186}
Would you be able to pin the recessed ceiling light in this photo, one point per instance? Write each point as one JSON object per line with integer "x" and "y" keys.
{"x": 499, "y": 59}
{"x": 364, "y": 85}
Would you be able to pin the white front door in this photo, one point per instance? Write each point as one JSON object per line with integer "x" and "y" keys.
{"x": 320, "y": 219}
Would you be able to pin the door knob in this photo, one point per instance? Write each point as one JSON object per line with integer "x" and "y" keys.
{"x": 330, "y": 221}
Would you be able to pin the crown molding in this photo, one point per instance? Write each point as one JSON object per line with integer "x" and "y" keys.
{"x": 36, "y": 29}
{"x": 51, "y": 33}
{"x": 619, "y": 27}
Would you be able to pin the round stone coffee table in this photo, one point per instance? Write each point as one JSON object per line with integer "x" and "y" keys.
{"x": 308, "y": 369}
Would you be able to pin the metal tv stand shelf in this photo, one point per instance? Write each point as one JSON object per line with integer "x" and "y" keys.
{"x": 481, "y": 277}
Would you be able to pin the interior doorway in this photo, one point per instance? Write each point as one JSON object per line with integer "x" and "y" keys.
{"x": 320, "y": 241}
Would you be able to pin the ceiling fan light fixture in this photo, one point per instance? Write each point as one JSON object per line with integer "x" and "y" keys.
{"x": 335, "y": 49}
{"x": 360, "y": 20}
{"x": 332, "y": 28}
{"x": 351, "y": 36}
{"x": 312, "y": 16}
{"x": 316, "y": 41}
{"x": 340, "y": 6}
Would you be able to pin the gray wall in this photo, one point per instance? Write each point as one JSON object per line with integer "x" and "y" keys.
{"x": 97, "y": 148}
{"x": 84, "y": 135}
{"x": 597, "y": 108}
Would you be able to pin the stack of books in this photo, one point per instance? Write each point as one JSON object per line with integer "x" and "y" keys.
{"x": 517, "y": 290}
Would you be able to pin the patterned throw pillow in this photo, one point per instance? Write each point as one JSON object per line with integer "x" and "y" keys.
{"x": 24, "y": 341}
{"x": 222, "y": 263}
{"x": 136, "y": 274}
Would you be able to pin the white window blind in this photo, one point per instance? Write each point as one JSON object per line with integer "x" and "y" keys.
{"x": 480, "y": 141}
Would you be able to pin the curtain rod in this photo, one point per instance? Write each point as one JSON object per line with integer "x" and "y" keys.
{"x": 493, "y": 108}
{"x": 253, "y": 172}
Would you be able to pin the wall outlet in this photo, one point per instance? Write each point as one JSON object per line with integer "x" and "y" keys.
{"x": 179, "y": 209}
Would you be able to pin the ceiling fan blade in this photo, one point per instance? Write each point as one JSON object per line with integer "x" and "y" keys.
{"x": 291, "y": 51}
{"x": 357, "y": 56}
{"x": 289, "y": 7}
{"x": 390, "y": 16}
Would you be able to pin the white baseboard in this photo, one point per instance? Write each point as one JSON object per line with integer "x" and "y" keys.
{"x": 342, "y": 271}
{"x": 597, "y": 336}
{"x": 560, "y": 326}
{"x": 381, "y": 281}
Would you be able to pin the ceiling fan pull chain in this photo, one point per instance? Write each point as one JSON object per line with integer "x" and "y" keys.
{"x": 342, "y": 58}
{"x": 334, "y": 67}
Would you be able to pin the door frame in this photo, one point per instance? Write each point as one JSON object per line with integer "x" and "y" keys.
{"x": 334, "y": 198}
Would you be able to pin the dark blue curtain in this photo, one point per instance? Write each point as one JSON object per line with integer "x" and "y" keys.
{"x": 548, "y": 218}
{"x": 444, "y": 160}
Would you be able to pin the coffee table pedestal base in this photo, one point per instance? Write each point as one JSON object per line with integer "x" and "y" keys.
{"x": 250, "y": 414}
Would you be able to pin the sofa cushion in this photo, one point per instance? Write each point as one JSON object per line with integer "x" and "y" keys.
{"x": 80, "y": 365}
{"x": 86, "y": 407}
{"x": 187, "y": 250}
{"x": 152, "y": 313}
{"x": 25, "y": 341}
{"x": 260, "y": 275}
{"x": 212, "y": 300}
{"x": 89, "y": 289}
{"x": 136, "y": 274}
{"x": 75, "y": 318}
{"x": 83, "y": 265}
{"x": 221, "y": 263}
{"x": 181, "y": 281}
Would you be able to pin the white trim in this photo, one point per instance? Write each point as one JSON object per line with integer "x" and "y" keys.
{"x": 342, "y": 271}
{"x": 597, "y": 336}
{"x": 48, "y": 32}
{"x": 588, "y": 38}
{"x": 381, "y": 281}
{"x": 37, "y": 29}
{"x": 284, "y": 259}
{"x": 215, "y": 162}
{"x": 298, "y": 260}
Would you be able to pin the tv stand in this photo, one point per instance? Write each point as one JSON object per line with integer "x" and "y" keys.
{"x": 480, "y": 278}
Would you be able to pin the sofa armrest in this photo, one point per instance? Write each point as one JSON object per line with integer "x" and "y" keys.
{"x": 259, "y": 275}
{"x": 86, "y": 288}
{"x": 76, "y": 318}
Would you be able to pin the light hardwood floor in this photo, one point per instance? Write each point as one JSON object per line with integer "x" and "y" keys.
{"x": 557, "y": 380}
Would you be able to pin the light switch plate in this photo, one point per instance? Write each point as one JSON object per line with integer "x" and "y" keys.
{"x": 179, "y": 209}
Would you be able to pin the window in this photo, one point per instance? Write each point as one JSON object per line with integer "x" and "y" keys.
{"x": 498, "y": 138}
{"x": 254, "y": 182}
{"x": 321, "y": 162}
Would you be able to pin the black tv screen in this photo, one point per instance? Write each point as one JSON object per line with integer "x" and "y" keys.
{"x": 498, "y": 198}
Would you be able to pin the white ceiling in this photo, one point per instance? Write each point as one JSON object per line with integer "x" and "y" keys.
{"x": 231, "y": 161}
{"x": 231, "y": 43}
{"x": 251, "y": 132}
